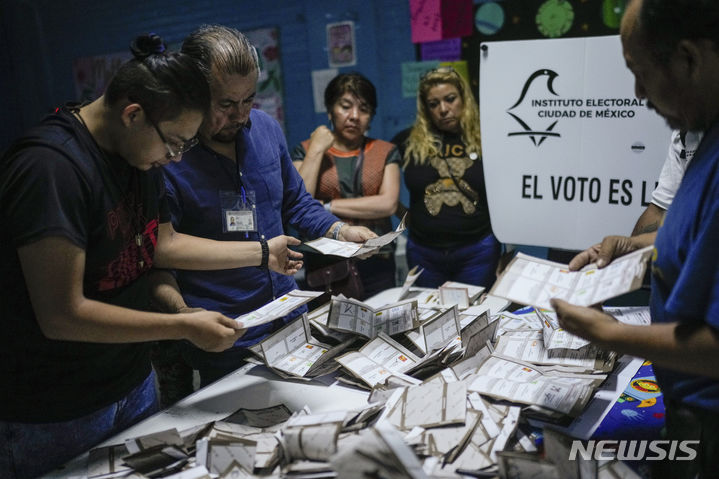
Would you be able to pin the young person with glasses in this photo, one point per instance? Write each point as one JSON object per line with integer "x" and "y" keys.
{"x": 84, "y": 220}
{"x": 238, "y": 184}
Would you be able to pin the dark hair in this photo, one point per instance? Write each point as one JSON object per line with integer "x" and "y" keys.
{"x": 222, "y": 48}
{"x": 355, "y": 83}
{"x": 164, "y": 83}
{"x": 663, "y": 23}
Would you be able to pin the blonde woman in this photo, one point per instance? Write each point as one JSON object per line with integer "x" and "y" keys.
{"x": 449, "y": 234}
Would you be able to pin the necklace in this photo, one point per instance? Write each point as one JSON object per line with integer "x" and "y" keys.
{"x": 133, "y": 210}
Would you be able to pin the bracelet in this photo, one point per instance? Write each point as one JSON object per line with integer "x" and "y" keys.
{"x": 336, "y": 231}
{"x": 265, "y": 253}
{"x": 328, "y": 206}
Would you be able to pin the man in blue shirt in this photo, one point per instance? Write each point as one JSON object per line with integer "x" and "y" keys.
{"x": 672, "y": 47}
{"x": 238, "y": 184}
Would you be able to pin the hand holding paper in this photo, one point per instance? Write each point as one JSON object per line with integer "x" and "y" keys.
{"x": 350, "y": 249}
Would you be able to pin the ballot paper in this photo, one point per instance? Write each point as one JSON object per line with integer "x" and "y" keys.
{"x": 516, "y": 322}
{"x": 431, "y": 404}
{"x": 312, "y": 436}
{"x": 412, "y": 276}
{"x": 221, "y": 455}
{"x": 461, "y": 294}
{"x": 554, "y": 336}
{"x": 292, "y": 349}
{"x": 524, "y": 383}
{"x": 378, "y": 451}
{"x": 354, "y": 316}
{"x": 534, "y": 281}
{"x": 349, "y": 249}
{"x": 442, "y": 441}
{"x": 441, "y": 330}
{"x": 529, "y": 346}
{"x": 635, "y": 315}
{"x": 437, "y": 329}
{"x": 278, "y": 308}
{"x": 379, "y": 359}
{"x": 491, "y": 304}
{"x": 170, "y": 437}
{"x": 264, "y": 417}
{"x": 267, "y": 453}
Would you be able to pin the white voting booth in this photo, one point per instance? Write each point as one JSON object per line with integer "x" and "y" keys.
{"x": 570, "y": 154}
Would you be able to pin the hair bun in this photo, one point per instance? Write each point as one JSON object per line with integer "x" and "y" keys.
{"x": 148, "y": 44}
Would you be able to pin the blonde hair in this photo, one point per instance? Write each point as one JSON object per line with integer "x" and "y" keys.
{"x": 425, "y": 138}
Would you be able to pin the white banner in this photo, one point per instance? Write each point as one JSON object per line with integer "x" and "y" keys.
{"x": 570, "y": 154}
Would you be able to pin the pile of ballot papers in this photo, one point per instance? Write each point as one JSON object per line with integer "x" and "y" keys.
{"x": 453, "y": 379}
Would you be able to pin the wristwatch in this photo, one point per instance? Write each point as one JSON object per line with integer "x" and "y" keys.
{"x": 336, "y": 231}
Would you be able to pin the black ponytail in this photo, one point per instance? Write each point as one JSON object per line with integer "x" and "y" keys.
{"x": 164, "y": 83}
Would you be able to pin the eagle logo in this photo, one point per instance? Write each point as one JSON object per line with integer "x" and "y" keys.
{"x": 537, "y": 136}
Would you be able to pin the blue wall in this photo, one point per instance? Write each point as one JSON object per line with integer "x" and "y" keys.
{"x": 41, "y": 38}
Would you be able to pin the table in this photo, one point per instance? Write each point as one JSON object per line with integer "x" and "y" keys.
{"x": 250, "y": 387}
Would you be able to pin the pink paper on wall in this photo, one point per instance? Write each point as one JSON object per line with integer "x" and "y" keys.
{"x": 425, "y": 19}
{"x": 433, "y": 20}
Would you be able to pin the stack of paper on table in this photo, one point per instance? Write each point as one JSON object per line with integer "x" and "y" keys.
{"x": 348, "y": 249}
{"x": 529, "y": 346}
{"x": 524, "y": 383}
{"x": 534, "y": 281}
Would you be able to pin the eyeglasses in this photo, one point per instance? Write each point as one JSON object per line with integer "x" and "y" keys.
{"x": 171, "y": 153}
{"x": 446, "y": 69}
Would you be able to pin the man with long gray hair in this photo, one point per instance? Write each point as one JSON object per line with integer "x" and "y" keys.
{"x": 238, "y": 184}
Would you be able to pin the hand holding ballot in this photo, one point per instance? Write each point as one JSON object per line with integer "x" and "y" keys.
{"x": 535, "y": 281}
{"x": 610, "y": 248}
{"x": 589, "y": 323}
{"x": 350, "y": 247}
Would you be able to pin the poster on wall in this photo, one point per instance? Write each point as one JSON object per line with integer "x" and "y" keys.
{"x": 92, "y": 74}
{"x": 570, "y": 154}
{"x": 341, "y": 49}
{"x": 270, "y": 94}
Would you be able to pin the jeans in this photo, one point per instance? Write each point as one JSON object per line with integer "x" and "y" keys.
{"x": 31, "y": 449}
{"x": 475, "y": 263}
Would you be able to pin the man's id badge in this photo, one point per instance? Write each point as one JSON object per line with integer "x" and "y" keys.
{"x": 238, "y": 211}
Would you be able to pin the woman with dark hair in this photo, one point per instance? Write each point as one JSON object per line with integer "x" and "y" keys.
{"x": 356, "y": 177}
{"x": 449, "y": 231}
{"x": 83, "y": 222}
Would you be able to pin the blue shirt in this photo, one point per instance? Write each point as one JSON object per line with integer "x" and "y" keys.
{"x": 264, "y": 169}
{"x": 685, "y": 272}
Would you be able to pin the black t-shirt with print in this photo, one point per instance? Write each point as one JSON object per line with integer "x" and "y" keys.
{"x": 55, "y": 182}
{"x": 443, "y": 215}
